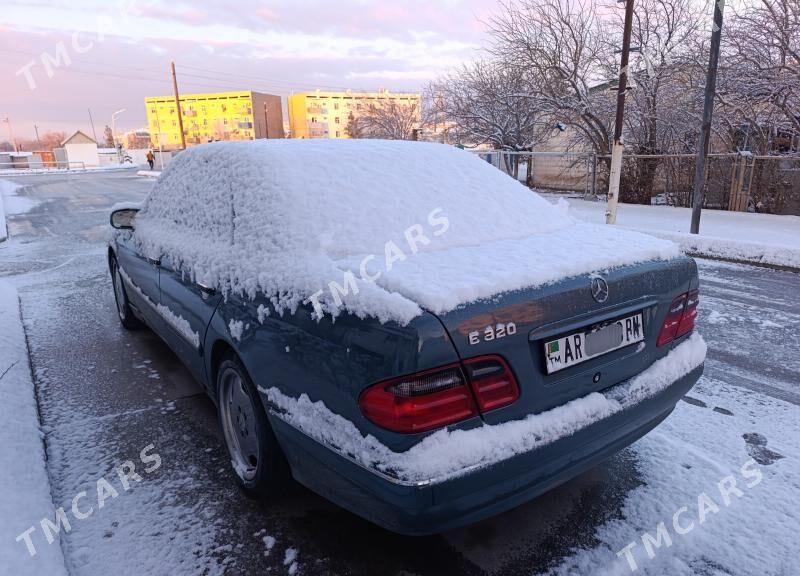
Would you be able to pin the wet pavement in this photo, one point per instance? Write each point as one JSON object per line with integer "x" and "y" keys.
{"x": 105, "y": 394}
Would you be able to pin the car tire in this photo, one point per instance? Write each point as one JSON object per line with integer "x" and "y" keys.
{"x": 256, "y": 457}
{"x": 126, "y": 316}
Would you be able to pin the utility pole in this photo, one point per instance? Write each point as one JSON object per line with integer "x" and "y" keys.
{"x": 91, "y": 121}
{"x": 178, "y": 106}
{"x": 699, "y": 193}
{"x": 160, "y": 138}
{"x": 36, "y": 129}
{"x": 616, "y": 149}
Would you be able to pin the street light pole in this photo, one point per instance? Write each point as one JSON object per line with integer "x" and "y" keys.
{"x": 7, "y": 120}
{"x": 699, "y": 190}
{"x": 617, "y": 147}
{"x": 114, "y": 130}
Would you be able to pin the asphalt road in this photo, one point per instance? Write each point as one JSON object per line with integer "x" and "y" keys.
{"x": 105, "y": 394}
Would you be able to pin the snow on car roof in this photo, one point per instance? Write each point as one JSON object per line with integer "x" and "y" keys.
{"x": 378, "y": 218}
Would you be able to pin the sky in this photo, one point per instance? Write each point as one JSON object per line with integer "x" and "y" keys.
{"x": 58, "y": 58}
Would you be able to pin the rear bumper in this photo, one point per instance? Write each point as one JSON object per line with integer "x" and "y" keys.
{"x": 429, "y": 508}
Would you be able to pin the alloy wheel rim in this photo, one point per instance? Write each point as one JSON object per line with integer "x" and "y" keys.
{"x": 119, "y": 295}
{"x": 239, "y": 425}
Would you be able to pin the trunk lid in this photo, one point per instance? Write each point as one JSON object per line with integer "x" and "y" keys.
{"x": 517, "y": 325}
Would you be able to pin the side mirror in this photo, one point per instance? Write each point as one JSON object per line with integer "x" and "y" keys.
{"x": 123, "y": 219}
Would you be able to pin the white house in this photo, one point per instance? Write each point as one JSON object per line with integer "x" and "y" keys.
{"x": 81, "y": 149}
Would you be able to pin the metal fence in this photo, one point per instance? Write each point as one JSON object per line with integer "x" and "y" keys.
{"x": 43, "y": 165}
{"x": 735, "y": 181}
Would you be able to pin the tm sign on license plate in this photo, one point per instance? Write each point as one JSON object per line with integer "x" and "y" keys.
{"x": 576, "y": 348}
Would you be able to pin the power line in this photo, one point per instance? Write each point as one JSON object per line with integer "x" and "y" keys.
{"x": 266, "y": 80}
{"x": 219, "y": 77}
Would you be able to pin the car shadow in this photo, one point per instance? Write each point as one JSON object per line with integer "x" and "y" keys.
{"x": 528, "y": 539}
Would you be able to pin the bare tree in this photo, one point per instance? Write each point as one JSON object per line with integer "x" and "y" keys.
{"x": 355, "y": 126}
{"x": 388, "y": 120}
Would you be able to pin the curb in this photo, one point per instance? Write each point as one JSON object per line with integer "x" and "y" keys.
{"x": 756, "y": 263}
{"x": 24, "y": 454}
{"x": 3, "y": 224}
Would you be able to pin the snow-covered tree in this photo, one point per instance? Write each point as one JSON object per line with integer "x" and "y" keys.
{"x": 760, "y": 77}
{"x": 561, "y": 46}
{"x": 108, "y": 137}
{"x": 487, "y": 102}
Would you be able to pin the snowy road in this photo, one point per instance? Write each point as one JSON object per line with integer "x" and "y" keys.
{"x": 106, "y": 394}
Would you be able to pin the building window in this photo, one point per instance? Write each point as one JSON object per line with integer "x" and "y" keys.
{"x": 336, "y": 120}
{"x": 338, "y": 134}
{"x": 335, "y": 105}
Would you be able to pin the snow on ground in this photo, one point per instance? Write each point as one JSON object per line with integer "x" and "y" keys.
{"x": 11, "y": 204}
{"x": 761, "y": 238}
{"x": 162, "y": 523}
{"x": 690, "y": 463}
{"x": 25, "y": 498}
{"x": 316, "y": 212}
{"x": 448, "y": 454}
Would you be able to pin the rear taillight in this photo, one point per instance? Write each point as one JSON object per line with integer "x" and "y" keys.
{"x": 680, "y": 317}
{"x": 440, "y": 397}
{"x": 492, "y": 382}
{"x": 689, "y": 313}
{"x": 419, "y": 402}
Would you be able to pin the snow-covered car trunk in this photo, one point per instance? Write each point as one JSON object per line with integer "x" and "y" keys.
{"x": 562, "y": 343}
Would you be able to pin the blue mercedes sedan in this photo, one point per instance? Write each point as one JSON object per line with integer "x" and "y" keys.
{"x": 401, "y": 327}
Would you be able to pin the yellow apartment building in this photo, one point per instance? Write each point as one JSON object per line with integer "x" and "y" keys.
{"x": 322, "y": 114}
{"x": 243, "y": 115}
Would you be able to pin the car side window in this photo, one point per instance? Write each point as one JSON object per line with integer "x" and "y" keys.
{"x": 195, "y": 194}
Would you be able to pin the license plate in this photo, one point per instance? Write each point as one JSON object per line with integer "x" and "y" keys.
{"x": 570, "y": 350}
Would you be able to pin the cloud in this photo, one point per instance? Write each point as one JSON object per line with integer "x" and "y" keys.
{"x": 285, "y": 46}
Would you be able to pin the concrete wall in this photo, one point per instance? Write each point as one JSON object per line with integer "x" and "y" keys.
{"x": 86, "y": 153}
{"x": 108, "y": 158}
